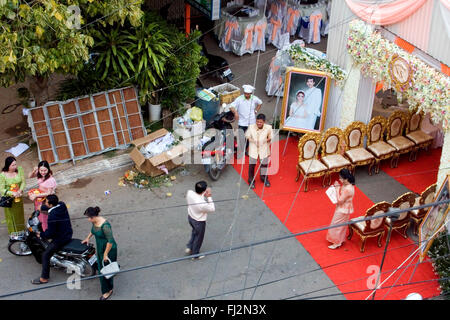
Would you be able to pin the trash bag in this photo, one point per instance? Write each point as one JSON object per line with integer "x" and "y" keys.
{"x": 196, "y": 114}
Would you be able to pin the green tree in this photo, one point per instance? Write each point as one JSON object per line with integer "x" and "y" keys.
{"x": 47, "y": 36}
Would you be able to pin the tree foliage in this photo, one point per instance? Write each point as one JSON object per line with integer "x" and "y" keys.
{"x": 42, "y": 37}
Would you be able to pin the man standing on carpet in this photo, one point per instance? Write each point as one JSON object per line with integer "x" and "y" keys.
{"x": 259, "y": 136}
{"x": 200, "y": 204}
{"x": 245, "y": 107}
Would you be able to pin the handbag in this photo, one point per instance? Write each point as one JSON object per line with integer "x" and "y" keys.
{"x": 110, "y": 269}
{"x": 6, "y": 201}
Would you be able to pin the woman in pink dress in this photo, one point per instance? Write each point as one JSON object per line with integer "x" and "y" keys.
{"x": 345, "y": 190}
{"x": 47, "y": 186}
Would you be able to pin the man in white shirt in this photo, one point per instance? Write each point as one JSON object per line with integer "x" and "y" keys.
{"x": 200, "y": 204}
{"x": 313, "y": 99}
{"x": 245, "y": 108}
{"x": 260, "y": 136}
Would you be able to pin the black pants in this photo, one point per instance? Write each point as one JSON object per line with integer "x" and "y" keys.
{"x": 197, "y": 235}
{"x": 242, "y": 141}
{"x": 48, "y": 253}
{"x": 262, "y": 169}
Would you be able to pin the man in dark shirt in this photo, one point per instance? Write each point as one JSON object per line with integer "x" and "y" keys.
{"x": 59, "y": 230}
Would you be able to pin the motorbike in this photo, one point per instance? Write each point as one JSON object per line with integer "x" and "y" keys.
{"x": 219, "y": 145}
{"x": 216, "y": 65}
{"x": 74, "y": 256}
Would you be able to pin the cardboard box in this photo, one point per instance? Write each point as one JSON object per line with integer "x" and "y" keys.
{"x": 180, "y": 130}
{"x": 170, "y": 159}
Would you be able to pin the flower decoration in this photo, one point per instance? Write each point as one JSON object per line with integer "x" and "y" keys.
{"x": 428, "y": 90}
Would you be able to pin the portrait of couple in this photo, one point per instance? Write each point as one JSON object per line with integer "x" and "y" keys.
{"x": 304, "y": 101}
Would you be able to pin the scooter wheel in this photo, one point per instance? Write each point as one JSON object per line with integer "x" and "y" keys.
{"x": 19, "y": 248}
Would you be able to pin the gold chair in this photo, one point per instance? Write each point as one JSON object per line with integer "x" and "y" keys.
{"x": 415, "y": 134}
{"x": 426, "y": 197}
{"x": 396, "y": 124}
{"x": 330, "y": 154}
{"x": 375, "y": 141}
{"x": 308, "y": 165}
{"x": 405, "y": 201}
{"x": 354, "y": 138}
{"x": 370, "y": 228}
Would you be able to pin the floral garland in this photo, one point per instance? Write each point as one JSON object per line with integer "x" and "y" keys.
{"x": 301, "y": 57}
{"x": 428, "y": 90}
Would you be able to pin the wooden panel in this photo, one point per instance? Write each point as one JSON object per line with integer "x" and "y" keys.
{"x": 85, "y": 104}
{"x": 44, "y": 142}
{"x": 76, "y": 135}
{"x": 91, "y": 132}
{"x": 106, "y": 128}
{"x": 73, "y": 123}
{"x": 57, "y": 125}
{"x": 137, "y": 133}
{"x": 78, "y": 149}
{"x": 37, "y": 115}
{"x": 100, "y": 101}
{"x": 60, "y": 139}
{"x": 40, "y": 128}
{"x": 70, "y": 108}
{"x": 94, "y": 145}
{"x": 88, "y": 119}
{"x": 129, "y": 94}
{"x": 53, "y": 111}
{"x": 109, "y": 141}
{"x": 132, "y": 107}
{"x": 103, "y": 115}
{"x": 48, "y": 155}
{"x": 63, "y": 153}
{"x": 135, "y": 121}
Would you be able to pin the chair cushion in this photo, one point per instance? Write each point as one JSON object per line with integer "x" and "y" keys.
{"x": 359, "y": 154}
{"x": 381, "y": 148}
{"x": 312, "y": 166}
{"x": 401, "y": 143}
{"x": 416, "y": 204}
{"x": 419, "y": 136}
{"x": 335, "y": 161}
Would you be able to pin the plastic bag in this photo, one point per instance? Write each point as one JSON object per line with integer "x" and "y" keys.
{"x": 196, "y": 114}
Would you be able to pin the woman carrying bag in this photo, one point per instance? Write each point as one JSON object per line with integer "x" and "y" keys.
{"x": 106, "y": 246}
{"x": 12, "y": 183}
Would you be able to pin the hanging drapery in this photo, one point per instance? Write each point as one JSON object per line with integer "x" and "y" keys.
{"x": 445, "y": 11}
{"x": 384, "y": 12}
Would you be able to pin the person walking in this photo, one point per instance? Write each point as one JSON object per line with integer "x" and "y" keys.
{"x": 47, "y": 186}
{"x": 259, "y": 136}
{"x": 59, "y": 230}
{"x": 106, "y": 247}
{"x": 200, "y": 204}
{"x": 245, "y": 107}
{"x": 345, "y": 191}
{"x": 12, "y": 183}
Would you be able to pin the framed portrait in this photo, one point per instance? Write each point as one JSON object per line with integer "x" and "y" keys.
{"x": 305, "y": 100}
{"x": 434, "y": 218}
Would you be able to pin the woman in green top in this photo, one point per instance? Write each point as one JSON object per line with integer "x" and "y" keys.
{"x": 12, "y": 183}
{"x": 106, "y": 246}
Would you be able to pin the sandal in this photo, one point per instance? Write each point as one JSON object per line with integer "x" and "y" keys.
{"x": 38, "y": 281}
{"x": 103, "y": 298}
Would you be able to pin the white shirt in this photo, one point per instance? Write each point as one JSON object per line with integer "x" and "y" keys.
{"x": 258, "y": 146}
{"x": 246, "y": 109}
{"x": 199, "y": 206}
{"x": 313, "y": 99}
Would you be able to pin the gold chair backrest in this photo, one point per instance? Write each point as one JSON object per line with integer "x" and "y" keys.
{"x": 414, "y": 120}
{"x": 354, "y": 134}
{"x": 331, "y": 143}
{"x": 427, "y": 197}
{"x": 307, "y": 146}
{"x": 405, "y": 201}
{"x": 396, "y": 124}
{"x": 377, "y": 209}
{"x": 375, "y": 129}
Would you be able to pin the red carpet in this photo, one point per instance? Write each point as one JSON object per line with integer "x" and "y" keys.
{"x": 416, "y": 175}
{"x": 347, "y": 267}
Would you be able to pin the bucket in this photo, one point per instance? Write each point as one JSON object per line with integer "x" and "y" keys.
{"x": 154, "y": 111}
{"x": 210, "y": 108}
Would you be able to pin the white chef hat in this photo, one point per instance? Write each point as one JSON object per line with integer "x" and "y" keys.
{"x": 248, "y": 88}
